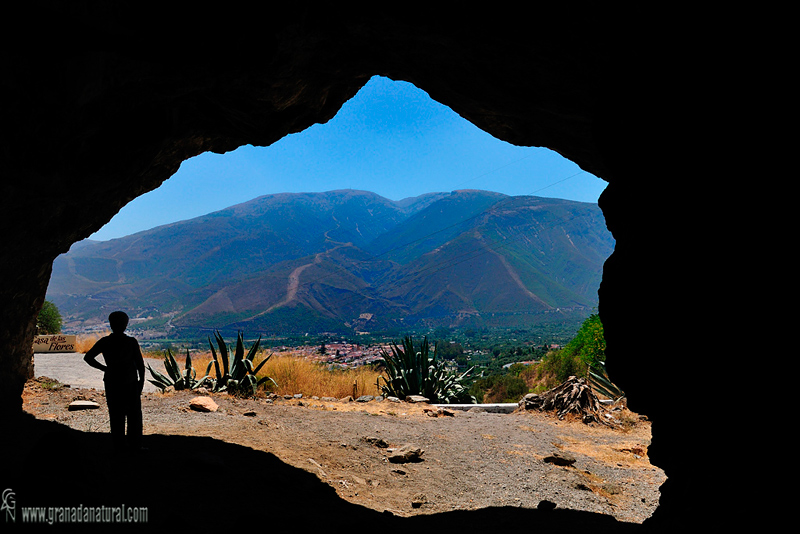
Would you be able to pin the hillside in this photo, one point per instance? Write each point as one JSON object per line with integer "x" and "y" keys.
{"x": 343, "y": 261}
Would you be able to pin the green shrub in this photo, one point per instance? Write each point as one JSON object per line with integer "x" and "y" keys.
{"x": 561, "y": 364}
{"x": 587, "y": 349}
{"x": 499, "y": 388}
{"x": 589, "y": 343}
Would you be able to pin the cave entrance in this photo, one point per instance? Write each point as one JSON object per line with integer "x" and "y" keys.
{"x": 392, "y": 140}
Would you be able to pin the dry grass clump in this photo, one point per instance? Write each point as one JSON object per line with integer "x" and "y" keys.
{"x": 295, "y": 374}
{"x": 299, "y": 375}
{"x": 84, "y": 342}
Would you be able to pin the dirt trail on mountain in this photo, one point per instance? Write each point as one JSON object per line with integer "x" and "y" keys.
{"x": 292, "y": 285}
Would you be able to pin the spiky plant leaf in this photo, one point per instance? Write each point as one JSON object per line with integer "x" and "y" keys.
{"x": 264, "y": 379}
{"x": 260, "y": 365}
{"x": 172, "y": 367}
{"x": 160, "y": 381}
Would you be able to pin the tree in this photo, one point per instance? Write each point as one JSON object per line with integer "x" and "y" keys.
{"x": 589, "y": 343}
{"x": 449, "y": 351}
{"x": 587, "y": 349}
{"x": 49, "y": 319}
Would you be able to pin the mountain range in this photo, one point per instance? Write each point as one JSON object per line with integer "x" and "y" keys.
{"x": 344, "y": 261}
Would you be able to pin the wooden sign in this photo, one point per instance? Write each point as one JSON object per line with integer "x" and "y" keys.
{"x": 54, "y": 343}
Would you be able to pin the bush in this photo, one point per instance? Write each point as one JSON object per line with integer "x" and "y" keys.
{"x": 589, "y": 343}
{"x": 562, "y": 364}
{"x": 499, "y": 388}
{"x": 586, "y": 349}
{"x": 49, "y": 319}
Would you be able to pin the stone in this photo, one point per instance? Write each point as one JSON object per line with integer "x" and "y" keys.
{"x": 611, "y": 488}
{"x": 560, "y": 458}
{"x": 416, "y": 398}
{"x": 365, "y": 398}
{"x": 392, "y": 399}
{"x": 83, "y": 405}
{"x": 405, "y": 454}
{"x": 346, "y": 399}
{"x": 546, "y": 505}
{"x": 329, "y": 399}
{"x": 203, "y": 404}
{"x": 436, "y": 412}
{"x": 320, "y": 470}
{"x": 378, "y": 442}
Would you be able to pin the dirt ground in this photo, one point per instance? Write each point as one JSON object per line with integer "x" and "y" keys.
{"x": 471, "y": 460}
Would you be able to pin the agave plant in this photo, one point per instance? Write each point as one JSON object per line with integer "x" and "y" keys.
{"x": 412, "y": 372}
{"x": 238, "y": 373}
{"x": 175, "y": 377}
{"x": 598, "y": 379}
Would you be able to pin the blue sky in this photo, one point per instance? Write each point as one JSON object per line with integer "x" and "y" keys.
{"x": 391, "y": 138}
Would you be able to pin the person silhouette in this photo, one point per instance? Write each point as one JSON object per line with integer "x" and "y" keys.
{"x": 123, "y": 379}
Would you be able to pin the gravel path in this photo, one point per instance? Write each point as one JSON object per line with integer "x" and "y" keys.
{"x": 471, "y": 460}
{"x": 69, "y": 368}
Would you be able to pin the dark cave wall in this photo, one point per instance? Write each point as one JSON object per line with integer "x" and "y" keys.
{"x": 121, "y": 98}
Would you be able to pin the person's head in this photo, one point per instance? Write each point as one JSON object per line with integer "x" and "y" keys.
{"x": 118, "y": 321}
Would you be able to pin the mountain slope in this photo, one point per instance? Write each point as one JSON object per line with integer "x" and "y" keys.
{"x": 436, "y": 224}
{"x": 522, "y": 255}
{"x": 345, "y": 260}
{"x": 160, "y": 267}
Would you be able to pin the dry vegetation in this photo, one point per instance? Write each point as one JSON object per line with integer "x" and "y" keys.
{"x": 296, "y": 374}
{"x": 84, "y": 342}
{"x": 293, "y": 373}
